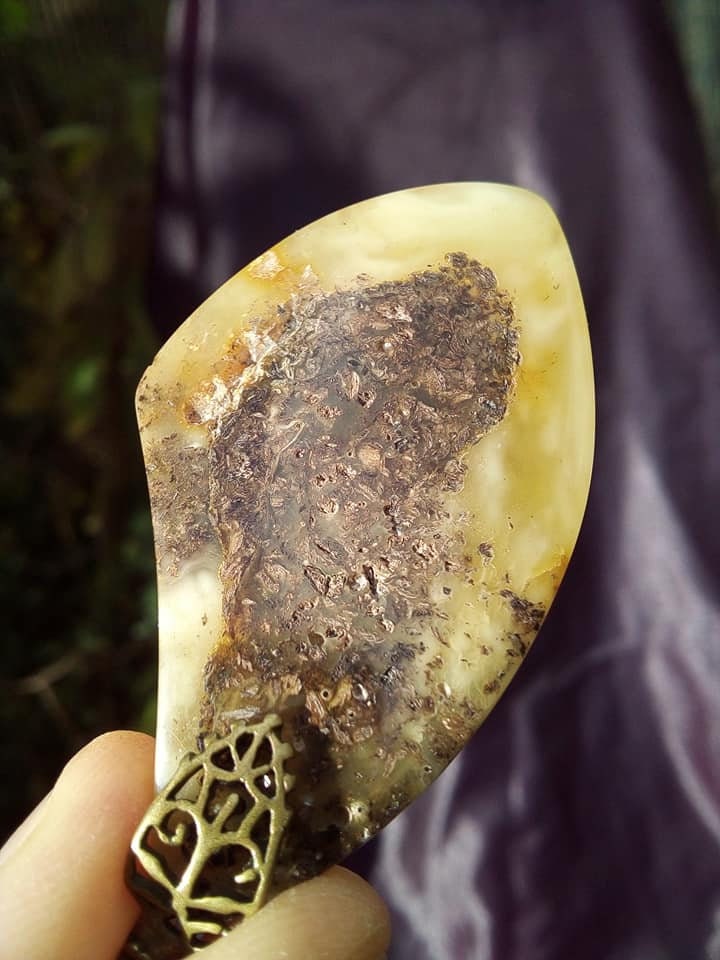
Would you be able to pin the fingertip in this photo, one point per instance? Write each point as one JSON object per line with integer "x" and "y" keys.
{"x": 63, "y": 884}
{"x": 343, "y": 883}
{"x": 113, "y": 773}
{"x": 336, "y": 916}
{"x": 131, "y": 746}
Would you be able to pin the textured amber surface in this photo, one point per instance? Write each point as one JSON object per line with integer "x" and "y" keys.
{"x": 368, "y": 456}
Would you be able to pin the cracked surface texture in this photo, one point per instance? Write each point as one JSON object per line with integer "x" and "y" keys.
{"x": 368, "y": 456}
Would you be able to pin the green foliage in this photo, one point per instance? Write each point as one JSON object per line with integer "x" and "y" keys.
{"x": 14, "y": 18}
{"x": 78, "y": 123}
{"x": 697, "y": 29}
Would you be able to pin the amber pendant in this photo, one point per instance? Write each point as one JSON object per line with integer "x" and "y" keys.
{"x": 368, "y": 456}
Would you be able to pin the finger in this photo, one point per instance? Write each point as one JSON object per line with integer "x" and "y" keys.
{"x": 336, "y": 916}
{"x": 62, "y": 892}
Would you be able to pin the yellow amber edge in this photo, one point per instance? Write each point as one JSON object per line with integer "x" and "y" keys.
{"x": 535, "y": 465}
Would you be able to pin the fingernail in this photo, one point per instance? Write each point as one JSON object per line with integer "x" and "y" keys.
{"x": 24, "y": 831}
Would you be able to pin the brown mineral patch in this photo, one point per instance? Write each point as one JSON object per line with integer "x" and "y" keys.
{"x": 526, "y": 613}
{"x": 178, "y": 481}
{"x": 326, "y": 485}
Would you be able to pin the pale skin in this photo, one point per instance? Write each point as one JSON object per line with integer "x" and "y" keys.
{"x": 62, "y": 895}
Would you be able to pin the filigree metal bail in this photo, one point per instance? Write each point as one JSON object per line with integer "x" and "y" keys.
{"x": 203, "y": 856}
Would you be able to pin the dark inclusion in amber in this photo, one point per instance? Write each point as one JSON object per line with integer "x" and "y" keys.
{"x": 365, "y": 491}
{"x": 327, "y": 488}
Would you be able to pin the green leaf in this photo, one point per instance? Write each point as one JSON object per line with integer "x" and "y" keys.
{"x": 14, "y": 19}
{"x": 73, "y": 135}
{"x": 83, "y": 380}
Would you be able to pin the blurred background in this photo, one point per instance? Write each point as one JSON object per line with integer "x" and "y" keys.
{"x": 81, "y": 90}
{"x": 149, "y": 151}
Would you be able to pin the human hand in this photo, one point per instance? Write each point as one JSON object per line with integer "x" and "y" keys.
{"x": 63, "y": 897}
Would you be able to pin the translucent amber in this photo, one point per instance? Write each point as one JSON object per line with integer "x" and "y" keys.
{"x": 368, "y": 456}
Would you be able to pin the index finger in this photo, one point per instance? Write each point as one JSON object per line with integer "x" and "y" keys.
{"x": 62, "y": 889}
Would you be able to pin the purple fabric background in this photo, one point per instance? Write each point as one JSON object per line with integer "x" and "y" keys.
{"x": 584, "y": 819}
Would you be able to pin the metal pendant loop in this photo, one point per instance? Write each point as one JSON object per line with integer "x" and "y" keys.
{"x": 203, "y": 856}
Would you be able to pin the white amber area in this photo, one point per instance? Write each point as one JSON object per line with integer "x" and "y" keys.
{"x": 368, "y": 456}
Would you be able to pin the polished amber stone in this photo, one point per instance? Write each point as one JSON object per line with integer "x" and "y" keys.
{"x": 368, "y": 456}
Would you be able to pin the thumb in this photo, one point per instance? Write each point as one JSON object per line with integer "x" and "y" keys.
{"x": 62, "y": 893}
{"x": 336, "y": 916}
